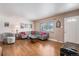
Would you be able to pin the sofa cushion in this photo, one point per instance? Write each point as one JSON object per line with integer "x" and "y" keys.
{"x": 42, "y": 33}
{"x": 8, "y": 34}
{"x": 33, "y": 32}
{"x": 23, "y": 33}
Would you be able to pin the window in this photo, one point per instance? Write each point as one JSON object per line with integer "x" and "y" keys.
{"x": 48, "y": 26}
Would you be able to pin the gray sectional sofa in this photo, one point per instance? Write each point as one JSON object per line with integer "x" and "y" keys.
{"x": 34, "y": 35}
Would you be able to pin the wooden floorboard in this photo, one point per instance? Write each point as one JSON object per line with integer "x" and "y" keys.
{"x": 27, "y": 48}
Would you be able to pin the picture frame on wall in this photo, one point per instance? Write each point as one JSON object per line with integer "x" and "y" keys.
{"x": 6, "y": 24}
{"x": 58, "y": 24}
{"x": 30, "y": 25}
{"x": 22, "y": 25}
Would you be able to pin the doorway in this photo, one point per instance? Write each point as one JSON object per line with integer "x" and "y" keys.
{"x": 71, "y": 29}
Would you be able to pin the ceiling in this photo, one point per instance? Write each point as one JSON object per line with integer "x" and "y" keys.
{"x": 34, "y": 11}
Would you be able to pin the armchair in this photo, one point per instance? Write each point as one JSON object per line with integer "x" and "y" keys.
{"x": 44, "y": 36}
{"x": 8, "y": 38}
{"x": 23, "y": 35}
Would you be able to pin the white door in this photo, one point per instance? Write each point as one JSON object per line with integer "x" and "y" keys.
{"x": 71, "y": 29}
{"x": 77, "y": 30}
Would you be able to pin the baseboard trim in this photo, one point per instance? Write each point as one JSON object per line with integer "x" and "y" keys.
{"x": 56, "y": 40}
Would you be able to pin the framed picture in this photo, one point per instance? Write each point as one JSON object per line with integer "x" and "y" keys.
{"x": 22, "y": 25}
{"x": 30, "y": 25}
{"x": 6, "y": 24}
{"x": 58, "y": 24}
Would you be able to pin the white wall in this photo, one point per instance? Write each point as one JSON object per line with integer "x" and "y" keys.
{"x": 71, "y": 28}
{"x": 14, "y": 23}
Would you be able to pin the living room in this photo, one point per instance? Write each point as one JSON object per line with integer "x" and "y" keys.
{"x": 38, "y": 29}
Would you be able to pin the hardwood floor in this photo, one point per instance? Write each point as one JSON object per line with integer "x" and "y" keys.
{"x": 26, "y": 48}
